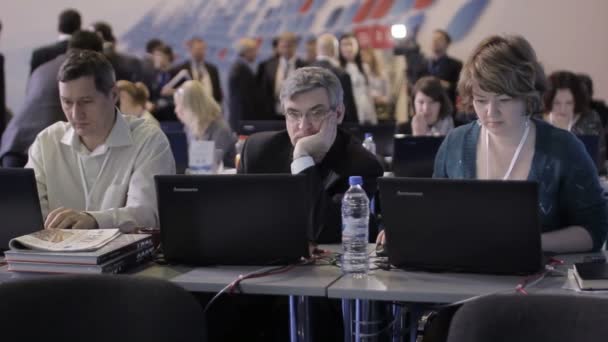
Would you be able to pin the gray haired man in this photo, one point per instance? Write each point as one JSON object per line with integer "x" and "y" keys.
{"x": 311, "y": 99}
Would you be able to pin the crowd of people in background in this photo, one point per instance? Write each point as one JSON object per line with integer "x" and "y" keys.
{"x": 149, "y": 84}
{"x": 115, "y": 103}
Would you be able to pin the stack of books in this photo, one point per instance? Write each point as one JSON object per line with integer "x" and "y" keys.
{"x": 591, "y": 275}
{"x": 115, "y": 255}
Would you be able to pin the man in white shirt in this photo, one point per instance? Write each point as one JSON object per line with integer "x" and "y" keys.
{"x": 96, "y": 170}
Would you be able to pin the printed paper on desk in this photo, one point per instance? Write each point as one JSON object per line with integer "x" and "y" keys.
{"x": 65, "y": 240}
{"x": 201, "y": 156}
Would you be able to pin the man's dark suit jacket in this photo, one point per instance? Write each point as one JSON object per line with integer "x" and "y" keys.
{"x": 125, "y": 67}
{"x": 243, "y": 92}
{"x": 445, "y": 68}
{"x": 271, "y": 152}
{"x": 266, "y": 75}
{"x": 47, "y": 53}
{"x": 41, "y": 108}
{"x": 213, "y": 73}
{"x": 349, "y": 100}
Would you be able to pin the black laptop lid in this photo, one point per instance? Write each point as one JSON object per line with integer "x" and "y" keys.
{"x": 233, "y": 219}
{"x": 415, "y": 156}
{"x": 462, "y": 225}
{"x": 19, "y": 204}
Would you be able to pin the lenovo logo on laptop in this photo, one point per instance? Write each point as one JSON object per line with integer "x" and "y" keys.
{"x": 175, "y": 189}
{"x": 410, "y": 194}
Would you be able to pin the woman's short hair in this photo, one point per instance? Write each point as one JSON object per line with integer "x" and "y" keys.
{"x": 138, "y": 91}
{"x": 567, "y": 80}
{"x": 431, "y": 87}
{"x": 505, "y": 64}
{"x": 311, "y": 78}
{"x": 200, "y": 106}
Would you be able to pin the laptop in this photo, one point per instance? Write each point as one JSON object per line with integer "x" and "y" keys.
{"x": 415, "y": 156}
{"x": 477, "y": 226}
{"x": 383, "y": 134}
{"x": 255, "y": 126}
{"x": 179, "y": 146}
{"x": 233, "y": 219}
{"x": 19, "y": 205}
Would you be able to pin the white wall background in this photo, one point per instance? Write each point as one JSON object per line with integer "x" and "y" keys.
{"x": 566, "y": 34}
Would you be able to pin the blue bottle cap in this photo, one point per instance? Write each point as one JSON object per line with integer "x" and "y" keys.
{"x": 368, "y": 135}
{"x": 355, "y": 180}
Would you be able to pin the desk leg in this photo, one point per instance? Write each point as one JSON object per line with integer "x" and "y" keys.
{"x": 299, "y": 319}
{"x": 347, "y": 318}
{"x": 415, "y": 312}
{"x": 399, "y": 325}
{"x": 367, "y": 321}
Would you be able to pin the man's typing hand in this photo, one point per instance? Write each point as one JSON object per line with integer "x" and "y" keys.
{"x": 63, "y": 218}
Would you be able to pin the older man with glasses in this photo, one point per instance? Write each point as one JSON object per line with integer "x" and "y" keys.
{"x": 311, "y": 99}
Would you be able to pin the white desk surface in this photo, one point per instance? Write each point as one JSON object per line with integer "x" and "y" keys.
{"x": 321, "y": 281}
{"x": 299, "y": 281}
{"x": 426, "y": 287}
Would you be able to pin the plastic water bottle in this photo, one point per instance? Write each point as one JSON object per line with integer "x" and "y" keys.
{"x": 355, "y": 232}
{"x": 369, "y": 144}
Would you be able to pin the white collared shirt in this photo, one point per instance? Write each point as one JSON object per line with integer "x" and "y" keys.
{"x": 284, "y": 69}
{"x": 114, "y": 183}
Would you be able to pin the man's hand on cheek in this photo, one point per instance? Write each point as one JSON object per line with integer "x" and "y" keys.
{"x": 317, "y": 145}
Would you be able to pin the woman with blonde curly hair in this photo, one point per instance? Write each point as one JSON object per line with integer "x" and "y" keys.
{"x": 202, "y": 118}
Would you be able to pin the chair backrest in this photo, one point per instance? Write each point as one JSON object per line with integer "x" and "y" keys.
{"x": 554, "y": 318}
{"x": 99, "y": 308}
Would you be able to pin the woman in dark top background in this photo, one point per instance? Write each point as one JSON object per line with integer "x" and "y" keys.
{"x": 567, "y": 107}
{"x": 431, "y": 109}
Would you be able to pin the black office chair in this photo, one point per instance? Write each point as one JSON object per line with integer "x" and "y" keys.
{"x": 513, "y": 317}
{"x": 99, "y": 308}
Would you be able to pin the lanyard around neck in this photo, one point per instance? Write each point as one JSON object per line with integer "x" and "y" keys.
{"x": 522, "y": 141}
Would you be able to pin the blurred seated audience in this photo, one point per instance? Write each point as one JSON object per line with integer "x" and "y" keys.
{"x": 432, "y": 109}
{"x": 202, "y": 119}
{"x": 132, "y": 100}
{"x": 567, "y": 107}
